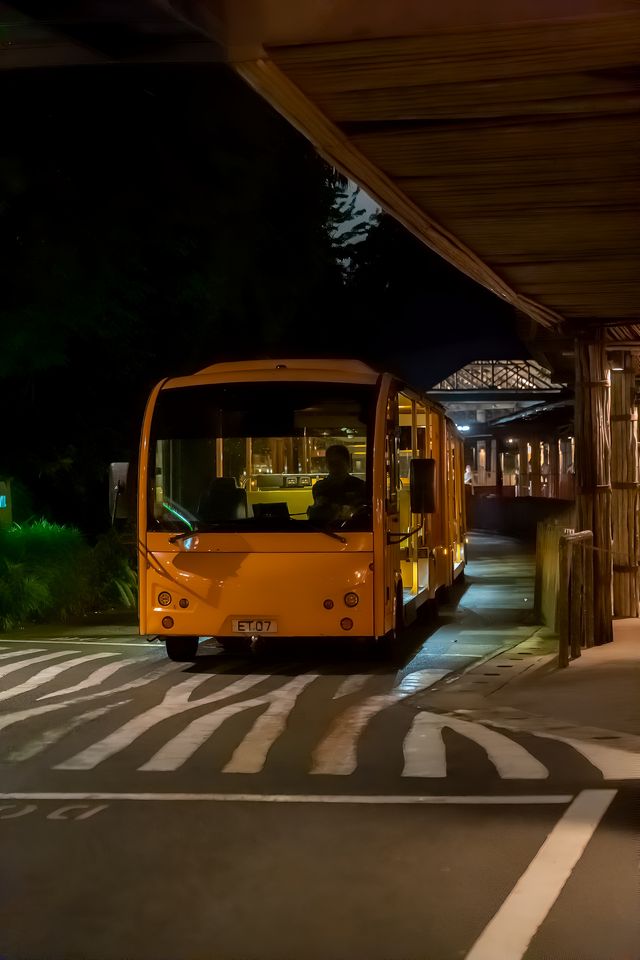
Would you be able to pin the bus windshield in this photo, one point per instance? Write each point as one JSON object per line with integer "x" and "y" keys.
{"x": 262, "y": 456}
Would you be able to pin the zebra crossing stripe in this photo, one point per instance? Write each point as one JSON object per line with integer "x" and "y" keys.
{"x": 12, "y": 667}
{"x": 50, "y": 673}
{"x": 9, "y": 719}
{"x": 337, "y": 753}
{"x": 94, "y": 679}
{"x": 33, "y": 747}
{"x": 424, "y": 749}
{"x": 19, "y": 653}
{"x": 250, "y": 756}
{"x": 175, "y": 702}
{"x": 351, "y": 685}
{"x": 617, "y": 760}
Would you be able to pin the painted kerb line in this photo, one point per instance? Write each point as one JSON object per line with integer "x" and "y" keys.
{"x": 462, "y": 800}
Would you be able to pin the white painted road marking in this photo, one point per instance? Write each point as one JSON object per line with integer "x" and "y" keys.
{"x": 13, "y": 667}
{"x": 617, "y": 759}
{"x": 251, "y": 754}
{"x": 63, "y": 812}
{"x": 512, "y": 929}
{"x": 424, "y": 750}
{"x": 50, "y": 673}
{"x": 364, "y": 799}
{"x": 175, "y": 702}
{"x": 33, "y": 747}
{"x": 337, "y": 753}
{"x": 351, "y": 684}
{"x": 19, "y": 715}
{"x": 94, "y": 679}
{"x": 19, "y": 653}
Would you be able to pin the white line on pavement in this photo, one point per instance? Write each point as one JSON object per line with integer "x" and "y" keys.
{"x": 337, "y": 752}
{"x": 33, "y": 747}
{"x": 12, "y": 667}
{"x": 400, "y": 800}
{"x": 94, "y": 679}
{"x": 250, "y": 756}
{"x": 425, "y": 755}
{"x": 510, "y": 932}
{"x": 20, "y": 653}
{"x": 175, "y": 702}
{"x": 50, "y": 673}
{"x": 87, "y": 640}
{"x": 351, "y": 684}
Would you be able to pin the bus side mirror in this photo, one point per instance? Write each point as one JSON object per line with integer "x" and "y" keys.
{"x": 422, "y": 485}
{"x": 120, "y": 491}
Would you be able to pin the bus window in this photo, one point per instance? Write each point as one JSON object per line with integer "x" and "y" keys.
{"x": 265, "y": 455}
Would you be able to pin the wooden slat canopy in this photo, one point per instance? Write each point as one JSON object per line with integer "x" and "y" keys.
{"x": 506, "y": 138}
{"x": 503, "y": 134}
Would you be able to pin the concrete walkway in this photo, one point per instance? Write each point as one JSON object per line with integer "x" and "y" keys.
{"x": 594, "y": 701}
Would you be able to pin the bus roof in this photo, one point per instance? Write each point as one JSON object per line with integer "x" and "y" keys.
{"x": 341, "y": 366}
{"x": 346, "y": 371}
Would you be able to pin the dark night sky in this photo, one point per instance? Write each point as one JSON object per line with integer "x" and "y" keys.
{"x": 156, "y": 219}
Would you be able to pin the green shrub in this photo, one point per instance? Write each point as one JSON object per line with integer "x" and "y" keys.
{"x": 48, "y": 571}
{"x": 23, "y": 596}
{"x": 111, "y": 577}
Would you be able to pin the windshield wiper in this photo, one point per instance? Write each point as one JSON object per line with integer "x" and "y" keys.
{"x": 329, "y": 533}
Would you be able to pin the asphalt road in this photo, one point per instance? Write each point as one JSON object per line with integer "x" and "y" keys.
{"x": 300, "y": 804}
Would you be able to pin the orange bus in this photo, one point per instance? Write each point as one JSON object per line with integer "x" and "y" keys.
{"x": 293, "y": 498}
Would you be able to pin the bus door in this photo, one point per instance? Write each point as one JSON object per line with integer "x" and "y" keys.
{"x": 392, "y": 523}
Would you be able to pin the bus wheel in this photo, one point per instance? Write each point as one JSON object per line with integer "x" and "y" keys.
{"x": 182, "y": 649}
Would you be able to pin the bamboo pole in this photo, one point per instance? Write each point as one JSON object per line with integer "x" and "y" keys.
{"x": 523, "y": 468}
{"x": 624, "y": 492}
{"x": 536, "y": 469}
{"x": 554, "y": 468}
{"x": 593, "y": 472}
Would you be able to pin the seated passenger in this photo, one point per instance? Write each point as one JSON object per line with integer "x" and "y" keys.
{"x": 339, "y": 495}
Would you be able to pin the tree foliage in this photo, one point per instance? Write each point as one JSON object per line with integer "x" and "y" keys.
{"x": 152, "y": 222}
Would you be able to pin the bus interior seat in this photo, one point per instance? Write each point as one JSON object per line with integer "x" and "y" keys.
{"x": 224, "y": 500}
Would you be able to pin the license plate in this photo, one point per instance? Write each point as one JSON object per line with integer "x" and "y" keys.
{"x": 255, "y": 626}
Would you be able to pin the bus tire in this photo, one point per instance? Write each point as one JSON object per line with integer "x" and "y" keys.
{"x": 182, "y": 649}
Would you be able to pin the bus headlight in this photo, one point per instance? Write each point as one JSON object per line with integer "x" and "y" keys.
{"x": 351, "y": 599}
{"x": 164, "y": 598}
{"x": 346, "y": 623}
{"x": 167, "y": 622}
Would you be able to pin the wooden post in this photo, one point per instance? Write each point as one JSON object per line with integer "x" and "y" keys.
{"x": 536, "y": 475}
{"x": 523, "y": 468}
{"x": 564, "y": 579}
{"x": 499, "y": 477}
{"x": 624, "y": 492}
{"x": 593, "y": 471}
{"x": 554, "y": 468}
